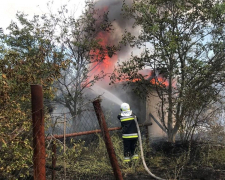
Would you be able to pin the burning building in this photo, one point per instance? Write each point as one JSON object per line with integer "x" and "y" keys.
{"x": 113, "y": 95}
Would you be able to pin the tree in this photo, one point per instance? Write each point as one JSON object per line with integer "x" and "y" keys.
{"x": 185, "y": 41}
{"x": 82, "y": 49}
{"x": 56, "y": 51}
{"x": 24, "y": 60}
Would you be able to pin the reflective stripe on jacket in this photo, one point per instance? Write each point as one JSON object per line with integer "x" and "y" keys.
{"x": 133, "y": 135}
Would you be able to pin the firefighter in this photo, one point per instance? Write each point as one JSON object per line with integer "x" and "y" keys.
{"x": 129, "y": 132}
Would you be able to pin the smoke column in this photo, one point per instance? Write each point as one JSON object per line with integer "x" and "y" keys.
{"x": 119, "y": 24}
{"x": 116, "y": 94}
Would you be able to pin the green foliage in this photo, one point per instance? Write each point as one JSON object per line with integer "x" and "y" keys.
{"x": 85, "y": 161}
{"x": 24, "y": 61}
{"x": 40, "y": 50}
{"x": 184, "y": 42}
{"x": 209, "y": 155}
{"x": 92, "y": 160}
{"x": 81, "y": 47}
{"x": 188, "y": 160}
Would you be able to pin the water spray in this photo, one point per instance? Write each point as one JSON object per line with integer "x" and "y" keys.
{"x": 142, "y": 154}
{"x": 108, "y": 95}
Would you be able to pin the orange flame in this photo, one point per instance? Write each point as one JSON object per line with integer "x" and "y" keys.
{"x": 107, "y": 63}
{"x": 101, "y": 60}
{"x": 160, "y": 81}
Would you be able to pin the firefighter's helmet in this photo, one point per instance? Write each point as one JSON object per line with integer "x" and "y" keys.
{"x": 125, "y": 107}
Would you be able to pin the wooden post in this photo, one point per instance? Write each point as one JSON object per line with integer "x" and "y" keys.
{"x": 64, "y": 144}
{"x": 107, "y": 139}
{"x": 38, "y": 132}
{"x": 53, "y": 159}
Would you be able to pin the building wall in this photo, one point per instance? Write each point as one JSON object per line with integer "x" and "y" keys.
{"x": 152, "y": 107}
{"x": 126, "y": 94}
{"x": 142, "y": 108}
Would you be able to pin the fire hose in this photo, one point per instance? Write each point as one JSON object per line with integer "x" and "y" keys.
{"x": 142, "y": 154}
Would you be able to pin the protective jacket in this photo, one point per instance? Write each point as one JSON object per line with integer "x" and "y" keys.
{"x": 128, "y": 125}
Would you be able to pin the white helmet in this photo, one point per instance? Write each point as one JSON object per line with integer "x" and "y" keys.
{"x": 125, "y": 107}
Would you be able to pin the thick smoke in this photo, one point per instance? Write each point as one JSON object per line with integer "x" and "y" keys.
{"x": 119, "y": 22}
{"x": 141, "y": 107}
{"x": 113, "y": 96}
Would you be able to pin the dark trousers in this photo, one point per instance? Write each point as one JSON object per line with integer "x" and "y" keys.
{"x": 129, "y": 146}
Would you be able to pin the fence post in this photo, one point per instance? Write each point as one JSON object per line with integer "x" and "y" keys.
{"x": 107, "y": 139}
{"x": 53, "y": 159}
{"x": 38, "y": 132}
{"x": 64, "y": 144}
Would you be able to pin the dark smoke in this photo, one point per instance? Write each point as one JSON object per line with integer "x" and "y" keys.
{"x": 114, "y": 8}
{"x": 119, "y": 22}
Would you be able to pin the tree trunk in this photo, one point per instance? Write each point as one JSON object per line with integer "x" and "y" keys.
{"x": 171, "y": 137}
